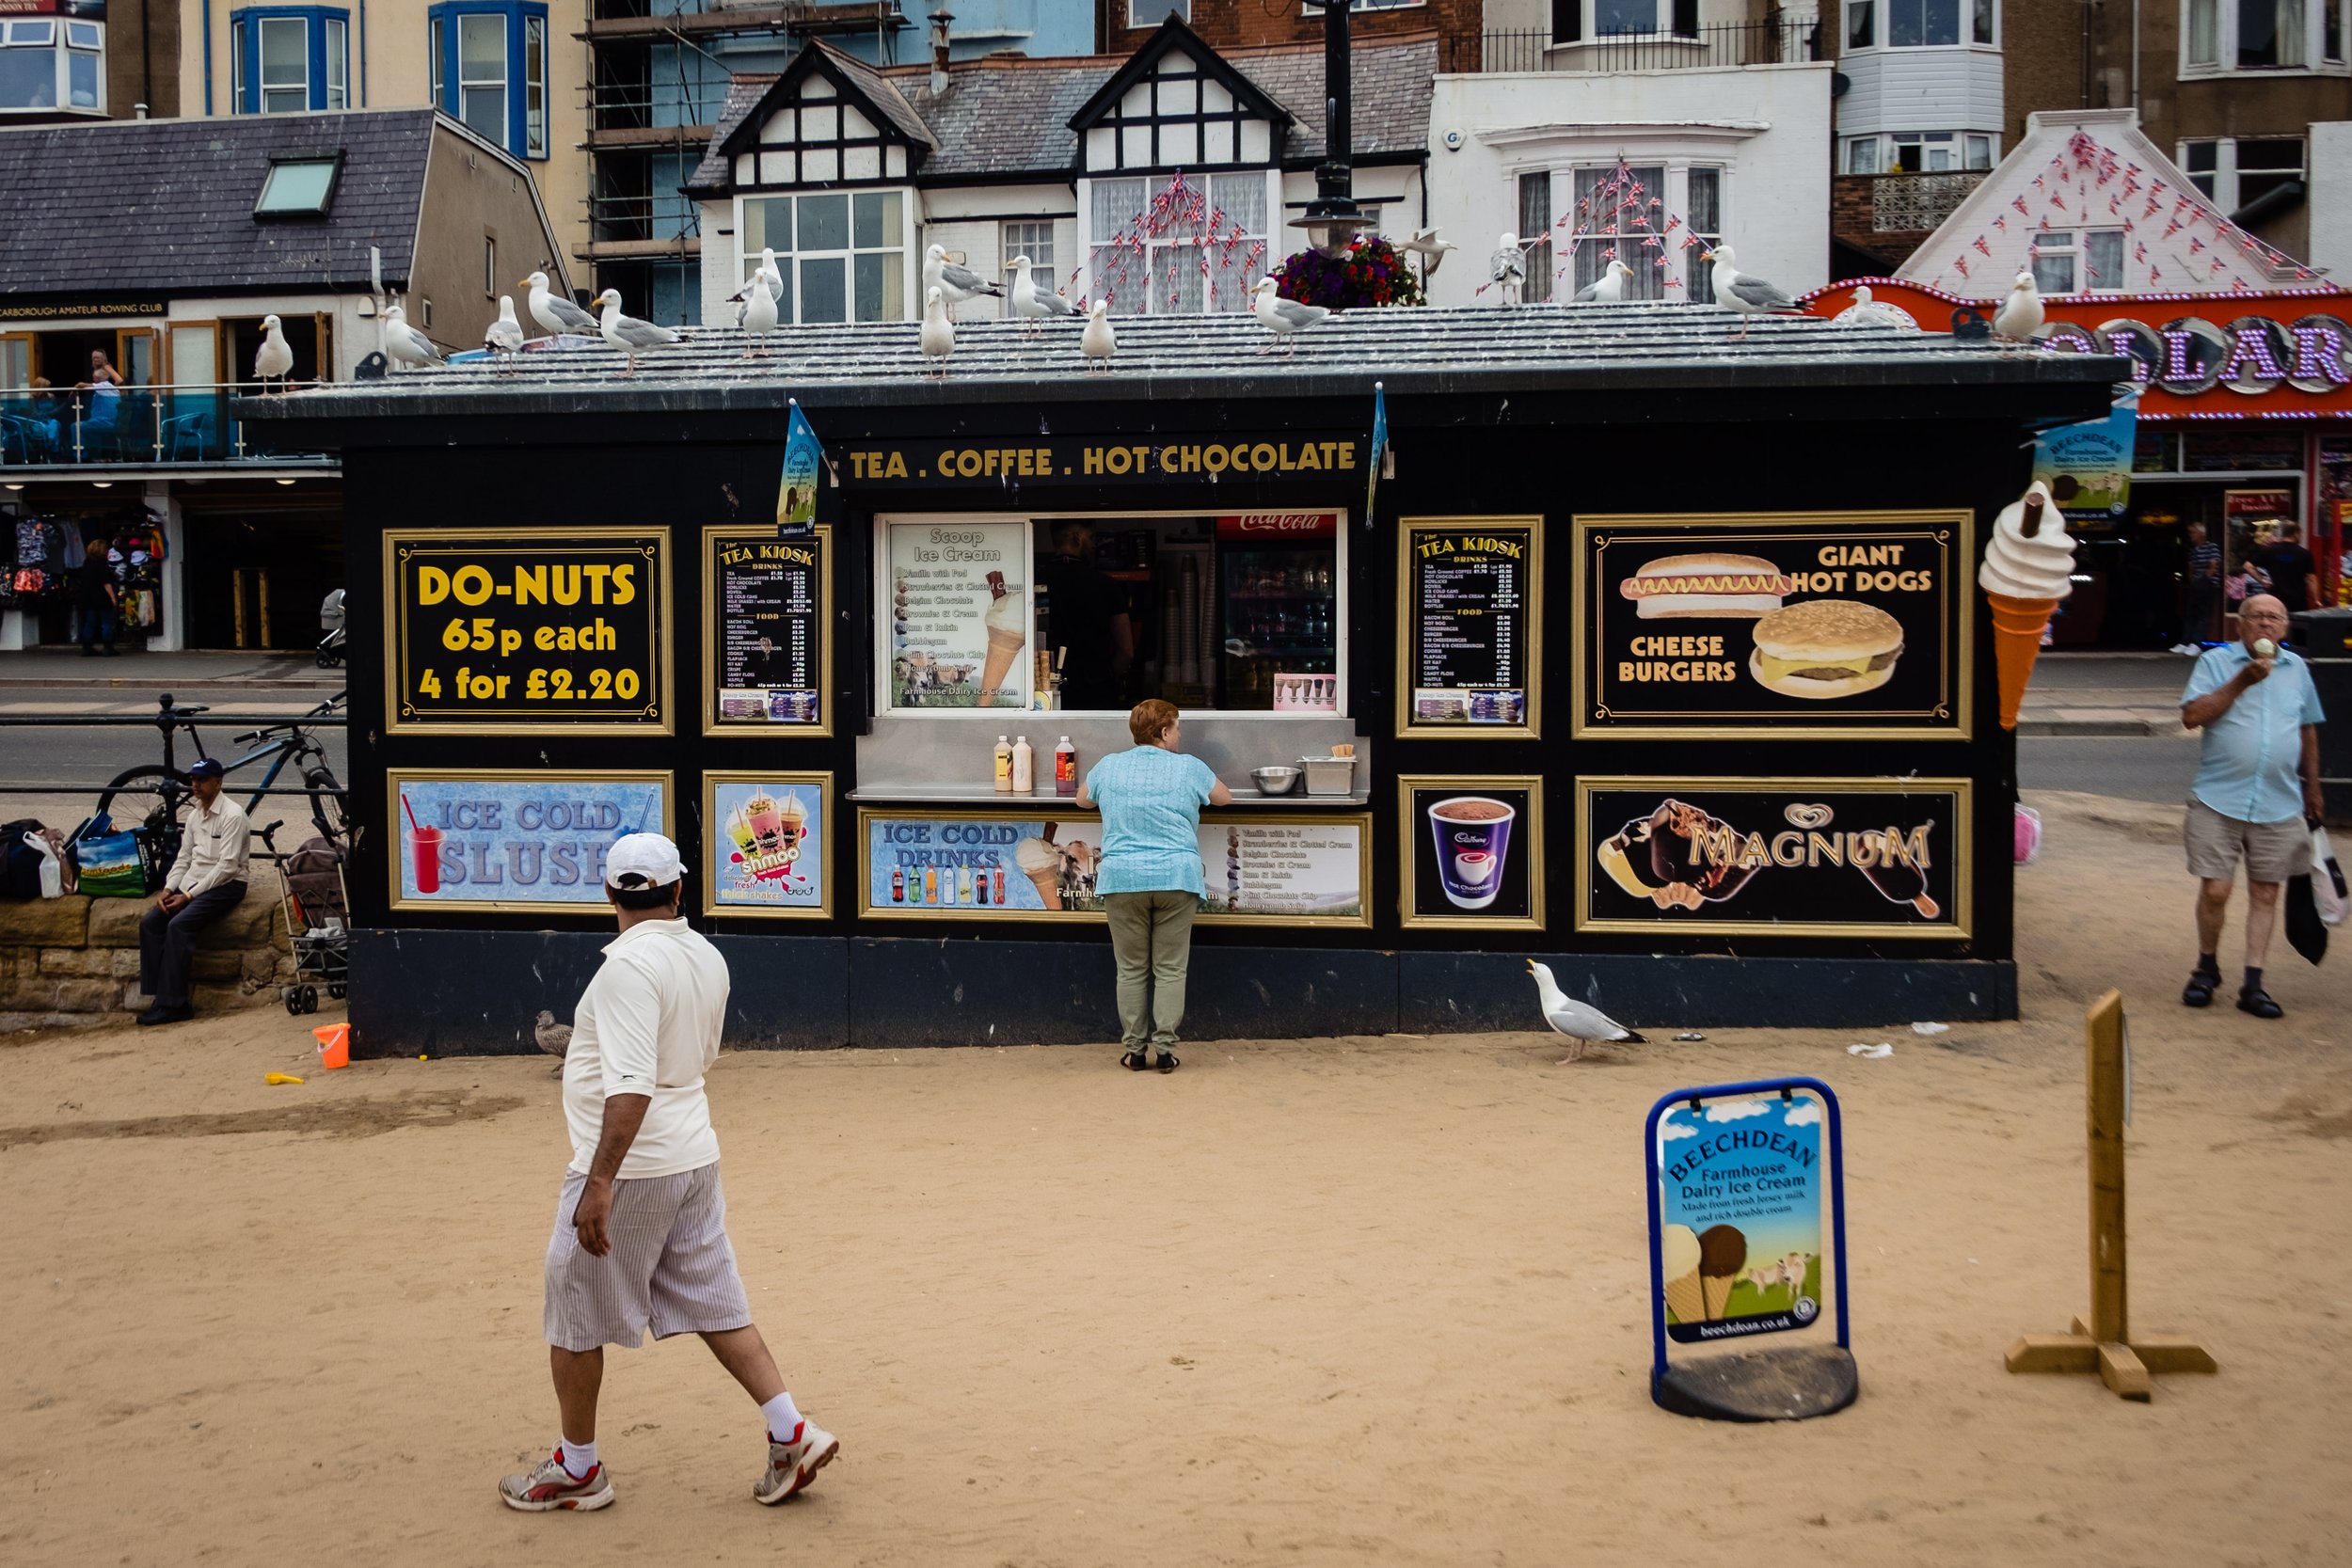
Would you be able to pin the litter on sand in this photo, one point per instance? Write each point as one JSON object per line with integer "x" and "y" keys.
{"x": 1873, "y": 1051}
{"x": 1931, "y": 1028}
{"x": 1690, "y": 1034}
{"x": 280, "y": 1078}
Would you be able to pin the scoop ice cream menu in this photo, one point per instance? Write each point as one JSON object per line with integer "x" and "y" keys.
{"x": 958, "y": 612}
{"x": 1292, "y": 868}
{"x": 1469, "y": 608}
{"x": 1741, "y": 1183}
{"x": 1794, "y": 626}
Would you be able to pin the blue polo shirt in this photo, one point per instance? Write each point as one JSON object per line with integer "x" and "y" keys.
{"x": 1150, "y": 801}
{"x": 2253, "y": 755}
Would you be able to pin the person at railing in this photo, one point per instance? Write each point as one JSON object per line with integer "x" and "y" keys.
{"x": 97, "y": 596}
{"x": 105, "y": 387}
{"x": 41, "y": 421}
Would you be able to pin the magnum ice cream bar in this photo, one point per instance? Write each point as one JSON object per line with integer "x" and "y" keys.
{"x": 1663, "y": 857}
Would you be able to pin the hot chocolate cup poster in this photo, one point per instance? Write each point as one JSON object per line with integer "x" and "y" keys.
{"x": 765, "y": 836}
{"x": 1472, "y": 851}
{"x": 1741, "y": 1241}
{"x": 1798, "y": 626}
{"x": 1775, "y": 857}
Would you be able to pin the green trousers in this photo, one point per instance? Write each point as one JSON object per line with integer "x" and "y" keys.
{"x": 1152, "y": 941}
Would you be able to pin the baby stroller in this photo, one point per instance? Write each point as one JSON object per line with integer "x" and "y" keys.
{"x": 318, "y": 924}
{"x": 331, "y": 626}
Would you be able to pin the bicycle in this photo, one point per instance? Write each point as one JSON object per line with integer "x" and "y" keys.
{"x": 151, "y": 796}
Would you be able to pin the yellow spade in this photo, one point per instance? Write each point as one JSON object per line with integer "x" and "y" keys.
{"x": 280, "y": 1078}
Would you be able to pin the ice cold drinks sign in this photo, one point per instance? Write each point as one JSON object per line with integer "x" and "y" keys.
{"x": 1740, "y": 1188}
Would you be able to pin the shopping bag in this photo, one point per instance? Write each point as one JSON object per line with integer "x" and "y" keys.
{"x": 2029, "y": 834}
{"x": 2329, "y": 894}
{"x": 113, "y": 864}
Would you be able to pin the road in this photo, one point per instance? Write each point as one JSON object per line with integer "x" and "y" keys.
{"x": 2135, "y": 768}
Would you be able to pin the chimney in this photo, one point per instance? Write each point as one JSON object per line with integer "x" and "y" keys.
{"x": 940, "y": 19}
{"x": 138, "y": 111}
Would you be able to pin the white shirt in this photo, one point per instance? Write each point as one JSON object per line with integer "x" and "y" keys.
{"x": 212, "y": 848}
{"x": 648, "y": 1023}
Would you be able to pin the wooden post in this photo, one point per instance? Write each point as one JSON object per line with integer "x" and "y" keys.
{"x": 2104, "y": 1345}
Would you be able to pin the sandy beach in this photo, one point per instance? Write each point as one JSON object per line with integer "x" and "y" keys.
{"x": 1377, "y": 1300}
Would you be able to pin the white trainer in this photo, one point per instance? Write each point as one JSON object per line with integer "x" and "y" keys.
{"x": 792, "y": 1465}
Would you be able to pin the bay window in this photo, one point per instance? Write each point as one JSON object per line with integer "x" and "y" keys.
{"x": 843, "y": 254}
{"x": 1918, "y": 24}
{"x": 1536, "y": 233}
{"x": 46, "y": 63}
{"x": 1918, "y": 152}
{"x": 1615, "y": 223}
{"x": 489, "y": 70}
{"x": 2263, "y": 35}
{"x": 288, "y": 59}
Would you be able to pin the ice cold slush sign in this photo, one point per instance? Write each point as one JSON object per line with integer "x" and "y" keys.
{"x": 501, "y": 841}
{"x": 1740, "y": 1188}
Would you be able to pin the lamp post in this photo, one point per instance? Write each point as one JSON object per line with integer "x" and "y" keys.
{"x": 1333, "y": 217}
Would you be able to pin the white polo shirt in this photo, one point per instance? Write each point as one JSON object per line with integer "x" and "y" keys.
{"x": 648, "y": 1023}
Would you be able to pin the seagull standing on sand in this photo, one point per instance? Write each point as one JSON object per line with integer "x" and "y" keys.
{"x": 275, "y": 362}
{"x": 406, "y": 344}
{"x": 626, "y": 333}
{"x": 1031, "y": 303}
{"x": 1096, "y": 341}
{"x": 1284, "y": 318}
{"x": 956, "y": 283}
{"x": 760, "y": 303}
{"x": 1508, "y": 267}
{"x": 553, "y": 1037}
{"x": 939, "y": 332}
{"x": 554, "y": 311}
{"x": 1584, "y": 1026}
{"x": 2020, "y": 315}
{"x": 1608, "y": 288}
{"x": 504, "y": 336}
{"x": 1750, "y": 297}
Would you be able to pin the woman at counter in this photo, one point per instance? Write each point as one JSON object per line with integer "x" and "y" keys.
{"x": 1150, "y": 876}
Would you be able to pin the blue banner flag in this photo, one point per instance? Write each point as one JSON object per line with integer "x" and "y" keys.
{"x": 796, "y": 497}
{"x": 1379, "y": 448}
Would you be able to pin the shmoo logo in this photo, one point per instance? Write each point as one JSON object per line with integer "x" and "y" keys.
{"x": 1682, "y": 857}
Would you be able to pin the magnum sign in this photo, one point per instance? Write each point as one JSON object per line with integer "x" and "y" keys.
{"x": 1792, "y": 626}
{"x": 1781, "y": 857}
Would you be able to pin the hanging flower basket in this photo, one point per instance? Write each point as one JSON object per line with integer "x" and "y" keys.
{"x": 1369, "y": 274}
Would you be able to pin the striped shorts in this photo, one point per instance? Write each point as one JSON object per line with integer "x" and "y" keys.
{"x": 670, "y": 1268}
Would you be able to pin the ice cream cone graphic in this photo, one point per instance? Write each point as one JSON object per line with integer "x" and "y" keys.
{"x": 1679, "y": 1257}
{"x": 1722, "y": 1253}
{"x": 1007, "y": 632}
{"x": 1040, "y": 862}
{"x": 2027, "y": 569}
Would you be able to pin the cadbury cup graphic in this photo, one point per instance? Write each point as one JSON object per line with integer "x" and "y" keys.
{"x": 1473, "y": 836}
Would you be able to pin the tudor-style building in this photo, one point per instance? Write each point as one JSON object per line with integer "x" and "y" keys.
{"x": 1160, "y": 181}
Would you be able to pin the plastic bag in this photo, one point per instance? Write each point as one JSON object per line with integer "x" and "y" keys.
{"x": 113, "y": 864}
{"x": 2028, "y": 835}
{"x": 52, "y": 871}
{"x": 2328, "y": 892}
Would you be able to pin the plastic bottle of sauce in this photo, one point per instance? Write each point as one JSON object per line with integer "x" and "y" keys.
{"x": 1024, "y": 767}
{"x": 1065, "y": 768}
{"x": 1004, "y": 765}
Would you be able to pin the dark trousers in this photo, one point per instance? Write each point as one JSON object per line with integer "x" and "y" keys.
{"x": 97, "y": 624}
{"x": 168, "y": 941}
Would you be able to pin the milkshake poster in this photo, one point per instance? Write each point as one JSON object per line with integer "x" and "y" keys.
{"x": 764, "y": 843}
{"x": 1040, "y": 866}
{"x": 1740, "y": 1184}
{"x": 1472, "y": 851}
{"x": 506, "y": 841}
{"x": 957, "y": 628}
{"x": 1775, "y": 857}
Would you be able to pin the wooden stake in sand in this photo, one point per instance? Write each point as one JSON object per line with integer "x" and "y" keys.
{"x": 2106, "y": 1345}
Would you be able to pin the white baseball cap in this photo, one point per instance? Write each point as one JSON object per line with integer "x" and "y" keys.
{"x": 642, "y": 860}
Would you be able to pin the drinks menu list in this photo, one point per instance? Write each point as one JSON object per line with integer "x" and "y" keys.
{"x": 769, "y": 598}
{"x": 1468, "y": 645}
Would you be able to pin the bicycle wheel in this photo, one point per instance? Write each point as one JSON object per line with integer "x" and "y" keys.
{"x": 147, "y": 796}
{"x": 332, "y": 812}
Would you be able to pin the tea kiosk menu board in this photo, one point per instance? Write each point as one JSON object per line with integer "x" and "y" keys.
{"x": 766, "y": 602}
{"x": 1471, "y": 622}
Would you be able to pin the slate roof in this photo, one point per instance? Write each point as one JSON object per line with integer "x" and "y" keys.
{"x": 167, "y": 205}
{"x": 1444, "y": 353}
{"x": 1009, "y": 118}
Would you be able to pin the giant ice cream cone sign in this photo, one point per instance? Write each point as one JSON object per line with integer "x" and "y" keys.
{"x": 2029, "y": 567}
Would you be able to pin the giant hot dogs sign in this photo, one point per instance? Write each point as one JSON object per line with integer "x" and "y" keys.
{"x": 525, "y": 630}
{"x": 1812, "y": 625}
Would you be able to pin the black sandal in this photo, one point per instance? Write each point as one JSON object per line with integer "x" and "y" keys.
{"x": 1136, "y": 1061}
{"x": 2258, "y": 1002}
{"x": 2198, "y": 992}
{"x": 1168, "y": 1061}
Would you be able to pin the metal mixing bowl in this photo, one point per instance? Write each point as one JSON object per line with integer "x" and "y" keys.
{"x": 1279, "y": 780}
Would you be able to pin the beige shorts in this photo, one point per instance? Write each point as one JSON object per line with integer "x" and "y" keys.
{"x": 670, "y": 1269}
{"x": 2273, "y": 851}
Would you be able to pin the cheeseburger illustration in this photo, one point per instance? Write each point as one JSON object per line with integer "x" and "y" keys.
{"x": 1826, "y": 648}
{"x": 1728, "y": 587}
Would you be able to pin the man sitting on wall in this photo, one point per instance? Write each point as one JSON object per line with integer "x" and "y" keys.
{"x": 207, "y": 880}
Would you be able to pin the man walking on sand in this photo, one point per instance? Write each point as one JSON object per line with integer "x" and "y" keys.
{"x": 641, "y": 1229}
{"x": 2257, "y": 784}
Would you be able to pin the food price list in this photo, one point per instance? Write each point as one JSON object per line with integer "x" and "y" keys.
{"x": 1467, "y": 646}
{"x": 767, "y": 597}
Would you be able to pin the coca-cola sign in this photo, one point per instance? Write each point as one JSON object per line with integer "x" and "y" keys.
{"x": 1270, "y": 526}
{"x": 2249, "y": 355}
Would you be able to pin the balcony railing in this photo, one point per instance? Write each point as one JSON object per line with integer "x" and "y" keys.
{"x": 1915, "y": 203}
{"x": 137, "y": 426}
{"x": 1787, "y": 39}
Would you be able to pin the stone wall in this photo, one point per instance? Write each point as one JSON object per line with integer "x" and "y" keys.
{"x": 76, "y": 959}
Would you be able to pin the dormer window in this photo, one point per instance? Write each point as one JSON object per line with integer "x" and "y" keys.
{"x": 298, "y": 188}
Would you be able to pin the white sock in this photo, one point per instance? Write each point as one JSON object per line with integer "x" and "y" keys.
{"x": 783, "y": 1417}
{"x": 579, "y": 1457}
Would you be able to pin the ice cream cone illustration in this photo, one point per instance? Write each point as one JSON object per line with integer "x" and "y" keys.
{"x": 2027, "y": 569}
{"x": 1722, "y": 1253}
{"x": 1040, "y": 862}
{"x": 1679, "y": 1253}
{"x": 1007, "y": 632}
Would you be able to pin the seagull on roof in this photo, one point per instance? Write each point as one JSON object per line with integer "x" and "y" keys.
{"x": 956, "y": 283}
{"x": 1284, "y": 318}
{"x": 1097, "y": 343}
{"x": 2020, "y": 315}
{"x": 1867, "y": 311}
{"x": 1608, "y": 288}
{"x": 274, "y": 360}
{"x": 1750, "y": 297}
{"x": 406, "y": 344}
{"x": 554, "y": 311}
{"x": 504, "y": 336}
{"x": 1429, "y": 246}
{"x": 1581, "y": 1025}
{"x": 1031, "y": 303}
{"x": 759, "y": 303}
{"x": 938, "y": 338}
{"x": 626, "y": 333}
{"x": 1508, "y": 267}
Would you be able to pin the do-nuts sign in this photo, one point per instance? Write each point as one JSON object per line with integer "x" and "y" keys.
{"x": 1275, "y": 527}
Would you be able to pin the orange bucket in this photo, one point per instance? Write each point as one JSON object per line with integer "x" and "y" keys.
{"x": 334, "y": 1044}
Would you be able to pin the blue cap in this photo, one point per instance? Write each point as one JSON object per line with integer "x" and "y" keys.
{"x": 206, "y": 767}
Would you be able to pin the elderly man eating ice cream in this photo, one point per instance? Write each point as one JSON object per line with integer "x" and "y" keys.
{"x": 2257, "y": 783}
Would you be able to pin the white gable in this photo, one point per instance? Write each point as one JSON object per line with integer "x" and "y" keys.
{"x": 2093, "y": 172}
{"x": 1176, "y": 117}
